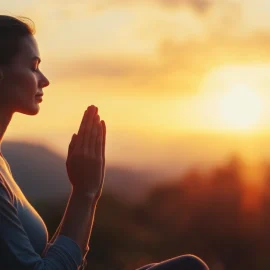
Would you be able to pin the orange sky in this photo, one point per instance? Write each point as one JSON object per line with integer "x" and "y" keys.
{"x": 176, "y": 81}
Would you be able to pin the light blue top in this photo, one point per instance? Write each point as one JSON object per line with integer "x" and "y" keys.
{"x": 24, "y": 236}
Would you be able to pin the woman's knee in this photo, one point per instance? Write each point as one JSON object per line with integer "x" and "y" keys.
{"x": 147, "y": 266}
{"x": 183, "y": 262}
{"x": 192, "y": 262}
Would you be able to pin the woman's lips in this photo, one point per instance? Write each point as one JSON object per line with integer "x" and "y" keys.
{"x": 39, "y": 98}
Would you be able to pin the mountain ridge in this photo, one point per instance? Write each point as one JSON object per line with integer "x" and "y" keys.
{"x": 30, "y": 163}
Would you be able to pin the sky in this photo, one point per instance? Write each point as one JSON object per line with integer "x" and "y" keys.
{"x": 177, "y": 82}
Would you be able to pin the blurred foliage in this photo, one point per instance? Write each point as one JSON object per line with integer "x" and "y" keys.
{"x": 217, "y": 215}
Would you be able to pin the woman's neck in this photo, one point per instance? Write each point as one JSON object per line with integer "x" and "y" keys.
{"x": 5, "y": 118}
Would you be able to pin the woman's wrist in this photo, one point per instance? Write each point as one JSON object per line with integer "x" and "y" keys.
{"x": 84, "y": 195}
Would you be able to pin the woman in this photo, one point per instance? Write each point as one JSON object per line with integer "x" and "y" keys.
{"x": 23, "y": 235}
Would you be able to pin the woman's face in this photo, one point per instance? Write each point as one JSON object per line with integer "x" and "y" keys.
{"x": 23, "y": 80}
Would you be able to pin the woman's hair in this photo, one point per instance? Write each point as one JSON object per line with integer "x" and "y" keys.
{"x": 12, "y": 30}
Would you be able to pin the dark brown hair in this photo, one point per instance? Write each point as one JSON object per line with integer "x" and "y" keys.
{"x": 12, "y": 30}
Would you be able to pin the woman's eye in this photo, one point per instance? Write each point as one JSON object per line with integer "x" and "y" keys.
{"x": 35, "y": 68}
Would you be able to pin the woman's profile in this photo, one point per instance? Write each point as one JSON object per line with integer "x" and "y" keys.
{"x": 24, "y": 243}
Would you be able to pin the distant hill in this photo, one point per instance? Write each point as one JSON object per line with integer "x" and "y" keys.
{"x": 41, "y": 174}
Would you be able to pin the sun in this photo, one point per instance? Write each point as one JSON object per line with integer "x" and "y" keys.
{"x": 240, "y": 108}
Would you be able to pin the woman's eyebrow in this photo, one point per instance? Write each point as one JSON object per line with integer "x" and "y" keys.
{"x": 36, "y": 58}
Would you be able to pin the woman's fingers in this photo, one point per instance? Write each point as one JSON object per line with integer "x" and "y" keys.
{"x": 99, "y": 142}
{"x": 89, "y": 132}
{"x": 93, "y": 139}
{"x": 84, "y": 130}
{"x": 88, "y": 129}
{"x": 103, "y": 139}
{"x": 81, "y": 130}
{"x": 71, "y": 145}
{"x": 103, "y": 150}
{"x": 103, "y": 143}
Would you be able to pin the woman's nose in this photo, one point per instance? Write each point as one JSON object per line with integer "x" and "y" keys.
{"x": 44, "y": 82}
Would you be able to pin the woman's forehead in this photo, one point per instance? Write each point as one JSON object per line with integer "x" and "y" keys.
{"x": 28, "y": 49}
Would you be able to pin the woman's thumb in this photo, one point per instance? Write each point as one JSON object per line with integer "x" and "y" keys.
{"x": 72, "y": 143}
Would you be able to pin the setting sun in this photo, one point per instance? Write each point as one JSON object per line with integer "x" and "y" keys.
{"x": 240, "y": 108}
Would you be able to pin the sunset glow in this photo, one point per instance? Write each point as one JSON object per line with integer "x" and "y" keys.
{"x": 240, "y": 108}
{"x": 164, "y": 74}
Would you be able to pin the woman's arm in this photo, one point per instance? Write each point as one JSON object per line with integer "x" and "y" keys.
{"x": 79, "y": 216}
{"x": 85, "y": 216}
{"x": 56, "y": 232}
{"x": 78, "y": 220}
{"x": 85, "y": 167}
{"x": 51, "y": 241}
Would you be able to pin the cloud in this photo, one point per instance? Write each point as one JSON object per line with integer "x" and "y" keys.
{"x": 200, "y": 57}
{"x": 188, "y": 45}
{"x": 179, "y": 67}
{"x": 109, "y": 69}
{"x": 197, "y": 5}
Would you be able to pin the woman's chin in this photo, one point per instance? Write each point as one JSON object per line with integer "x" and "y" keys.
{"x": 33, "y": 110}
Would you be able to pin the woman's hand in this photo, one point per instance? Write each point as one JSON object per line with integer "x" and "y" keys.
{"x": 86, "y": 155}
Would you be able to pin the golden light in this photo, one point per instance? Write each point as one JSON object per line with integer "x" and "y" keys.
{"x": 240, "y": 108}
